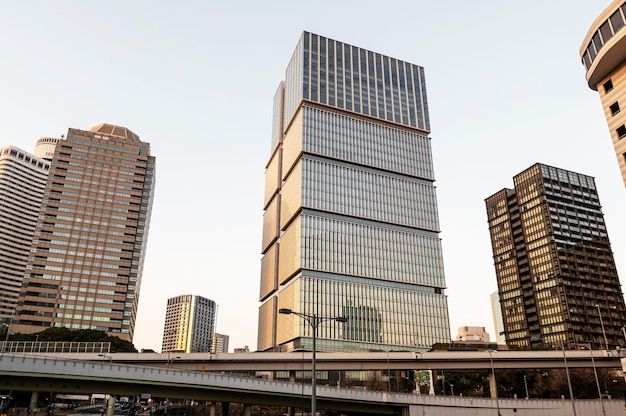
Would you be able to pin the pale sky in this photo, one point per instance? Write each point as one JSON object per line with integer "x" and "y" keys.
{"x": 196, "y": 79}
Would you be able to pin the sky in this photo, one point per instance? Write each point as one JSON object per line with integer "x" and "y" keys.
{"x": 196, "y": 79}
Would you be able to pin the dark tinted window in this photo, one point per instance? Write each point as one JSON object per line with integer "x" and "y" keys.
{"x": 617, "y": 21}
{"x": 605, "y": 29}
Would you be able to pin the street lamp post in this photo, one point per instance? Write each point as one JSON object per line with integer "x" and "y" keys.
{"x": 569, "y": 382}
{"x": 314, "y": 321}
{"x": 606, "y": 343}
{"x": 595, "y": 373}
{"x": 495, "y": 382}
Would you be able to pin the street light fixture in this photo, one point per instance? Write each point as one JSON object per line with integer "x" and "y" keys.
{"x": 606, "y": 343}
{"x": 595, "y": 373}
{"x": 314, "y": 321}
{"x": 495, "y": 382}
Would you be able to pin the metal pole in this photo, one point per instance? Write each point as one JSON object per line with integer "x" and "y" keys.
{"x": 314, "y": 321}
{"x": 606, "y": 343}
{"x": 495, "y": 382}
{"x": 526, "y": 386}
{"x": 314, "y": 324}
{"x": 569, "y": 382}
{"x": 595, "y": 373}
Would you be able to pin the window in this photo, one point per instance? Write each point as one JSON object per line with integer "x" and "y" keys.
{"x": 608, "y": 86}
{"x": 621, "y": 131}
{"x": 614, "y": 108}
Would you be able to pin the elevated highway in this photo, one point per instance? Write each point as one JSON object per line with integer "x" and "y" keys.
{"x": 38, "y": 373}
{"x": 453, "y": 360}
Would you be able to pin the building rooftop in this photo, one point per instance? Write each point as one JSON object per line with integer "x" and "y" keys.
{"x": 117, "y": 131}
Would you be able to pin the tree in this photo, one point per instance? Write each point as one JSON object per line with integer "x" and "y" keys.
{"x": 80, "y": 335}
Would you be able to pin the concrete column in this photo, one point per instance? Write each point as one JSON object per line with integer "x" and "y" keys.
{"x": 33, "y": 400}
{"x": 212, "y": 410}
{"x": 247, "y": 410}
{"x": 111, "y": 405}
{"x": 492, "y": 386}
{"x": 292, "y": 379}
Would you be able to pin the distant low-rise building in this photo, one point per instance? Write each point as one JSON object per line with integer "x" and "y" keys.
{"x": 472, "y": 333}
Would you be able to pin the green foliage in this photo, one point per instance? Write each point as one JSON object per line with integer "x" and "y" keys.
{"x": 80, "y": 335}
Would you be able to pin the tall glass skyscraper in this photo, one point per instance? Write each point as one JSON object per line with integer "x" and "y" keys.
{"x": 350, "y": 225}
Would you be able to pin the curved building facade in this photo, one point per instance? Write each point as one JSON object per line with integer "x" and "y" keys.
{"x": 22, "y": 183}
{"x": 603, "y": 54}
{"x": 351, "y": 225}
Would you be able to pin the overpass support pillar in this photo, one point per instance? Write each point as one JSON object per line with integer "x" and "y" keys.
{"x": 225, "y": 408}
{"x": 492, "y": 386}
{"x": 247, "y": 410}
{"x": 33, "y": 400}
{"x": 212, "y": 410}
{"x": 111, "y": 405}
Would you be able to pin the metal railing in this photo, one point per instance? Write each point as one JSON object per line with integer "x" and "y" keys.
{"x": 62, "y": 347}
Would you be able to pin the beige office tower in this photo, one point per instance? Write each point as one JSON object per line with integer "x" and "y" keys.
{"x": 351, "y": 227}
{"x": 189, "y": 324}
{"x": 603, "y": 54}
{"x": 86, "y": 259}
{"x": 22, "y": 183}
{"x": 219, "y": 343}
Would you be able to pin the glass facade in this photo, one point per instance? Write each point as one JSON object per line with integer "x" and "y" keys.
{"x": 86, "y": 259}
{"x": 557, "y": 279}
{"x": 351, "y": 225}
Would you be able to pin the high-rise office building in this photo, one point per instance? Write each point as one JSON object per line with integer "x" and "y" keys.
{"x": 22, "y": 182}
{"x": 86, "y": 258}
{"x": 189, "y": 324}
{"x": 557, "y": 279}
{"x": 602, "y": 53}
{"x": 219, "y": 343}
{"x": 350, "y": 226}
